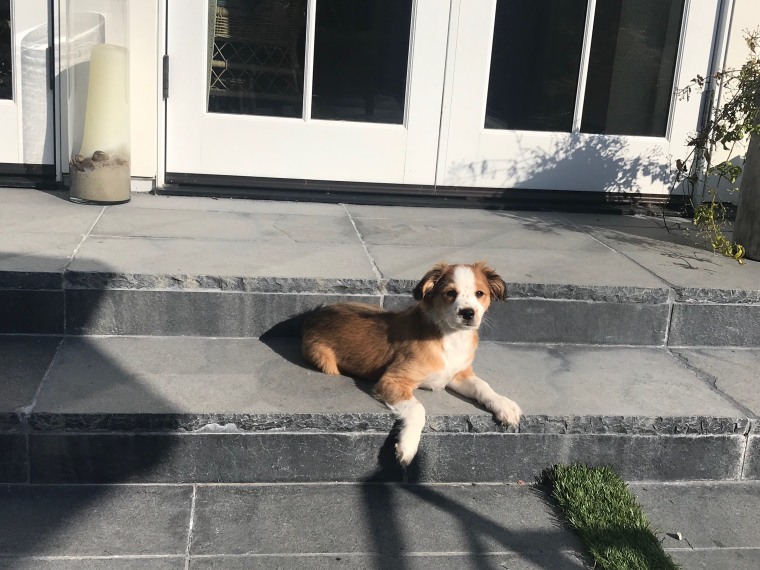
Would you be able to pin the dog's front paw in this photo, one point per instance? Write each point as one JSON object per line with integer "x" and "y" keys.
{"x": 506, "y": 411}
{"x": 406, "y": 450}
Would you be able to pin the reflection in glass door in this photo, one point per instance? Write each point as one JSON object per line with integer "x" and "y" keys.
{"x": 6, "y": 62}
{"x": 360, "y": 63}
{"x": 306, "y": 89}
{"x": 576, "y": 94}
{"x": 26, "y": 96}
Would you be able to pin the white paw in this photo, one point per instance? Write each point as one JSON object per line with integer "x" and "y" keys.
{"x": 507, "y": 411}
{"x": 406, "y": 449}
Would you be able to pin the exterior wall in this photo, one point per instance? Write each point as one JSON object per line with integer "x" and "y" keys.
{"x": 145, "y": 91}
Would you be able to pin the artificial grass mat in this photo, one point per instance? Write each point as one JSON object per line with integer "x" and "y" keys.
{"x": 601, "y": 509}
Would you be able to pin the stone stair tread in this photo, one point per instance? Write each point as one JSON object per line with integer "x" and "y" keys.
{"x": 217, "y": 380}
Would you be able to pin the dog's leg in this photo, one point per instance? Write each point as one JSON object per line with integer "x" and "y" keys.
{"x": 469, "y": 385}
{"x": 321, "y": 356}
{"x": 397, "y": 394}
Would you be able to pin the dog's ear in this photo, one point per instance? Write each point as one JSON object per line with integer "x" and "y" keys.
{"x": 427, "y": 283}
{"x": 496, "y": 284}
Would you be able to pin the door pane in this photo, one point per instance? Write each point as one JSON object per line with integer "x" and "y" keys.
{"x": 361, "y": 51}
{"x": 632, "y": 62}
{"x": 534, "y": 64}
{"x": 257, "y": 55}
{"x": 6, "y": 61}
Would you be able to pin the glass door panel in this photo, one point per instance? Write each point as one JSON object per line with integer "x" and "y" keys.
{"x": 631, "y": 67}
{"x": 257, "y": 56}
{"x": 26, "y": 96}
{"x": 535, "y": 57}
{"x": 6, "y": 61}
{"x": 361, "y": 54}
{"x": 570, "y": 94}
{"x": 306, "y": 89}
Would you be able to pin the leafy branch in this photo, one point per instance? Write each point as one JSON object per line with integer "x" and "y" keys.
{"x": 734, "y": 121}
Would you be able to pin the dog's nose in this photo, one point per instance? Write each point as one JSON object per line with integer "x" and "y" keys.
{"x": 467, "y": 314}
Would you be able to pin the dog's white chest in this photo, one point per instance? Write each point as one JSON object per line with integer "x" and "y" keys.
{"x": 457, "y": 355}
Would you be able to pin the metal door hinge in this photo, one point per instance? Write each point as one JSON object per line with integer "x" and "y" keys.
{"x": 166, "y": 77}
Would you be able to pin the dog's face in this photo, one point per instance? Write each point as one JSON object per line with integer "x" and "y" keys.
{"x": 459, "y": 295}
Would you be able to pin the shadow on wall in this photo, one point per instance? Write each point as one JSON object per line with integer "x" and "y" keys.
{"x": 573, "y": 162}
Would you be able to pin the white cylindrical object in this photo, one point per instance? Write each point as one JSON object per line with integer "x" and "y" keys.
{"x": 81, "y": 32}
{"x": 100, "y": 172}
{"x": 106, "y": 123}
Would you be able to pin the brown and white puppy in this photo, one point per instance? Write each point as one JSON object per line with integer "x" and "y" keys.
{"x": 430, "y": 345}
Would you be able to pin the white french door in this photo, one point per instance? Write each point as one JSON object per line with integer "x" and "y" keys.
{"x": 26, "y": 96}
{"x": 306, "y": 89}
{"x": 549, "y": 94}
{"x": 572, "y": 94}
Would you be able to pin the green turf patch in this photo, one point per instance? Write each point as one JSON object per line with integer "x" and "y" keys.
{"x": 601, "y": 509}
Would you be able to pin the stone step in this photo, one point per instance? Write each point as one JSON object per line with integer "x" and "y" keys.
{"x": 84, "y": 409}
{"x": 107, "y": 303}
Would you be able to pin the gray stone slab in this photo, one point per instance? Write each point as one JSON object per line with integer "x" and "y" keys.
{"x": 352, "y": 457}
{"x": 469, "y": 561}
{"x": 196, "y": 313}
{"x": 171, "y": 256}
{"x": 549, "y": 321}
{"x": 13, "y": 458}
{"x": 40, "y": 252}
{"x": 46, "y": 214}
{"x": 695, "y": 273}
{"x": 510, "y": 457}
{"x": 142, "y": 201}
{"x": 23, "y": 362}
{"x": 176, "y": 282}
{"x": 568, "y": 321}
{"x": 382, "y": 519}
{"x": 734, "y": 372}
{"x": 508, "y": 231}
{"x": 31, "y": 312}
{"x": 208, "y": 458}
{"x": 542, "y": 222}
{"x": 708, "y": 515}
{"x": 202, "y": 377}
{"x": 35, "y": 280}
{"x": 288, "y": 228}
{"x": 79, "y": 563}
{"x": 629, "y": 229}
{"x": 597, "y": 381}
{"x": 533, "y": 264}
{"x": 128, "y": 375}
{"x": 715, "y": 325}
{"x": 94, "y": 521}
{"x": 752, "y": 459}
{"x": 719, "y": 558}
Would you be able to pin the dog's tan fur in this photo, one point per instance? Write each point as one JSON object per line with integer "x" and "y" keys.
{"x": 427, "y": 345}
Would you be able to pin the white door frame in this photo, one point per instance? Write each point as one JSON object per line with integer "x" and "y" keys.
{"x": 308, "y": 149}
{"x": 461, "y": 140}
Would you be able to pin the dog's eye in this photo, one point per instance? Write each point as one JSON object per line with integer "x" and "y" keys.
{"x": 451, "y": 294}
{"x": 479, "y": 294}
